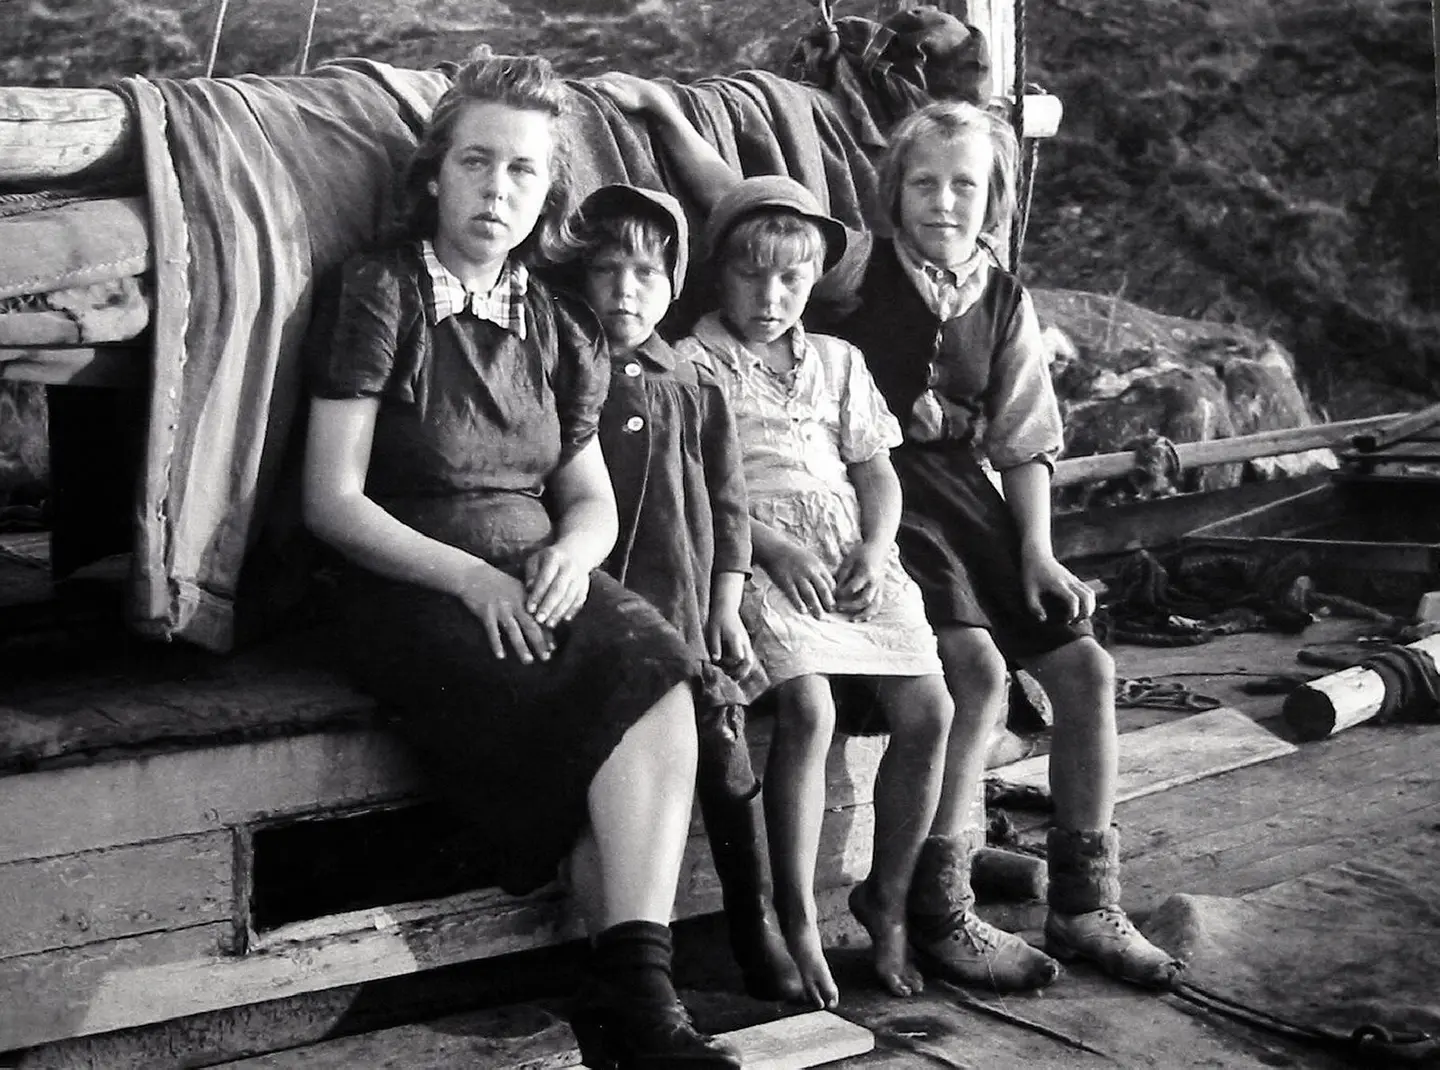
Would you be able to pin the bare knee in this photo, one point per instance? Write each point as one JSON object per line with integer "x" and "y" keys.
{"x": 975, "y": 670}
{"x": 665, "y": 736}
{"x": 919, "y": 709}
{"x": 1081, "y": 668}
{"x": 806, "y": 709}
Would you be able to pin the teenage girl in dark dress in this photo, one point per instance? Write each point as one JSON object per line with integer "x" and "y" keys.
{"x": 452, "y": 459}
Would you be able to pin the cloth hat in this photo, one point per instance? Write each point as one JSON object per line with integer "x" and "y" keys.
{"x": 763, "y": 192}
{"x": 621, "y": 199}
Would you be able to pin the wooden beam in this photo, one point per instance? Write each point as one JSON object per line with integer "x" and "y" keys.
{"x": 1154, "y": 759}
{"x": 111, "y": 366}
{"x": 125, "y": 891}
{"x": 62, "y": 811}
{"x": 1403, "y": 428}
{"x": 49, "y": 135}
{"x": 1113, "y": 529}
{"x": 1070, "y": 470}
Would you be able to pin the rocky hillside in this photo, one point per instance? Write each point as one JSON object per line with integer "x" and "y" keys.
{"x": 1270, "y": 163}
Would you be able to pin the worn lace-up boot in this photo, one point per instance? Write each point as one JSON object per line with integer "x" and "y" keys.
{"x": 627, "y": 1015}
{"x": 950, "y": 940}
{"x": 1085, "y": 920}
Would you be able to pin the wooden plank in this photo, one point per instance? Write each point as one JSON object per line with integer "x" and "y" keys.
{"x": 1069, "y": 470}
{"x": 1193, "y": 747}
{"x": 534, "y": 1038}
{"x": 1402, "y": 429}
{"x": 1150, "y": 524}
{"x": 49, "y": 134}
{"x": 1291, "y": 840}
{"x": 167, "y": 695}
{"x": 110, "y": 366}
{"x": 803, "y": 1040}
{"x": 63, "y": 811}
{"x": 355, "y": 947}
{"x": 91, "y": 989}
{"x": 101, "y": 895}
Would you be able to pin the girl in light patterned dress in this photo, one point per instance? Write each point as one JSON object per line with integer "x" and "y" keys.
{"x": 828, "y": 596}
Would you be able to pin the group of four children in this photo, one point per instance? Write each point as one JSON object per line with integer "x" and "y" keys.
{"x": 801, "y": 507}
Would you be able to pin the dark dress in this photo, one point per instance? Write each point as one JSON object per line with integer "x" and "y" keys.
{"x": 669, "y": 441}
{"x": 957, "y": 536}
{"x": 472, "y": 422}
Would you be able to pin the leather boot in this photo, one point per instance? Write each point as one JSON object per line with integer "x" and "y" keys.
{"x": 950, "y": 940}
{"x": 1085, "y": 919}
{"x": 627, "y": 1015}
{"x": 736, "y": 828}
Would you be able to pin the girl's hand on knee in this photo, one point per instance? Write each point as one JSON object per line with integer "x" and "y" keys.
{"x": 498, "y": 599}
{"x": 1042, "y": 576}
{"x": 803, "y": 578}
{"x": 729, "y": 643}
{"x": 556, "y": 585}
{"x": 860, "y": 580}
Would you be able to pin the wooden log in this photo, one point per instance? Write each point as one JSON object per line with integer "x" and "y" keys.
{"x": 1402, "y": 429}
{"x": 52, "y": 135}
{"x": 1100, "y": 466}
{"x": 1343, "y": 699}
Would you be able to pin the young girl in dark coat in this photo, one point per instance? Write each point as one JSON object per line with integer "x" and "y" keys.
{"x": 452, "y": 458}
{"x": 669, "y": 441}
{"x": 953, "y": 343}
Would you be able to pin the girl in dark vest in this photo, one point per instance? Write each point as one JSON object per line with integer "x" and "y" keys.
{"x": 953, "y": 343}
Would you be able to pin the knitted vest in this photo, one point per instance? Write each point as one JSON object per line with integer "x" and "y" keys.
{"x": 899, "y": 335}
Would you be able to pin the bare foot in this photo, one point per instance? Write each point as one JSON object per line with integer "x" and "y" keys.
{"x": 803, "y": 939}
{"x": 889, "y": 942}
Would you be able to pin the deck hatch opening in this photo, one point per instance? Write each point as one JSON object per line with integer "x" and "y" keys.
{"x": 319, "y": 866}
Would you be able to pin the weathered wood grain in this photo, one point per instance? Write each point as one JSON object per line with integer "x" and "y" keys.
{"x": 123, "y": 891}
{"x": 62, "y": 811}
{"x": 91, "y": 989}
{"x": 51, "y": 134}
{"x": 1167, "y": 755}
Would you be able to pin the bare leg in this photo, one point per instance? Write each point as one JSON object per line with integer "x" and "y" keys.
{"x": 794, "y": 808}
{"x": 640, "y": 813}
{"x": 975, "y": 673}
{"x": 1080, "y": 680}
{"x": 907, "y": 789}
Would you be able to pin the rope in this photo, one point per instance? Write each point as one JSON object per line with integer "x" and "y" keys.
{"x": 304, "y": 60}
{"x": 215, "y": 38}
{"x": 1030, "y": 158}
{"x": 1412, "y": 685}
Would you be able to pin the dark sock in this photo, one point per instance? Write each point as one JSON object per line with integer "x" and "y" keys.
{"x": 634, "y": 958}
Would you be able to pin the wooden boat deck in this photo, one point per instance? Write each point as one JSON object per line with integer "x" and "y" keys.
{"x": 1229, "y": 834}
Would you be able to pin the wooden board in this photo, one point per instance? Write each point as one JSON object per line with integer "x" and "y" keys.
{"x": 59, "y": 995}
{"x": 98, "y": 987}
{"x": 101, "y": 895}
{"x": 1167, "y": 755}
{"x": 62, "y": 811}
{"x": 535, "y": 1038}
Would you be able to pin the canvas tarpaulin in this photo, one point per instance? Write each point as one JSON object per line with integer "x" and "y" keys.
{"x": 259, "y": 185}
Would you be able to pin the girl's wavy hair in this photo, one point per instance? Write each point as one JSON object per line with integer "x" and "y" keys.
{"x": 527, "y": 83}
{"x": 945, "y": 120}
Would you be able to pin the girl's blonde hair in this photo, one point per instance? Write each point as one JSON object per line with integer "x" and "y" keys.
{"x": 946, "y": 120}
{"x": 772, "y": 239}
{"x": 526, "y": 83}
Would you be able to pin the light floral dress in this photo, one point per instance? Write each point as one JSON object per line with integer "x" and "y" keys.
{"x": 798, "y": 433}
